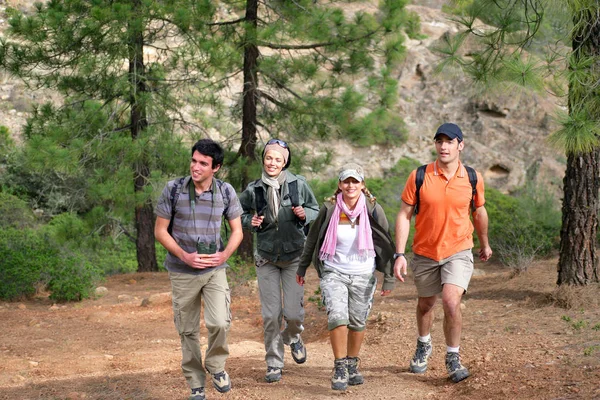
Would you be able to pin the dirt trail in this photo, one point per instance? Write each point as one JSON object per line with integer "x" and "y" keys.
{"x": 515, "y": 344}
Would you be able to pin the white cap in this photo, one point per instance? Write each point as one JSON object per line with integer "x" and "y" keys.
{"x": 352, "y": 170}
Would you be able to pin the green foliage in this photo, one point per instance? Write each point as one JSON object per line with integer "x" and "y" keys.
{"x": 378, "y": 127}
{"x": 6, "y": 142}
{"x": 391, "y": 187}
{"x": 579, "y": 325}
{"x": 522, "y": 227}
{"x": 32, "y": 259}
{"x": 24, "y": 254}
{"x": 413, "y": 26}
{"x": 73, "y": 279}
{"x": 317, "y": 299}
{"x": 588, "y": 351}
{"x": 15, "y": 212}
{"x": 240, "y": 271}
{"x": 323, "y": 189}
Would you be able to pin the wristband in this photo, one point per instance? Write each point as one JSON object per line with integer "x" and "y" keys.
{"x": 396, "y": 255}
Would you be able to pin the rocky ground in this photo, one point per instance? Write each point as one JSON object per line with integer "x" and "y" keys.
{"x": 517, "y": 342}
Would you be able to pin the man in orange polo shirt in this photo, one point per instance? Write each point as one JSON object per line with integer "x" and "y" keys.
{"x": 443, "y": 259}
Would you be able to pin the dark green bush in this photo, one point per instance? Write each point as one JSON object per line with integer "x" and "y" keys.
{"x": 15, "y": 212}
{"x": 24, "y": 254}
{"x": 32, "y": 259}
{"x": 73, "y": 279}
{"x": 522, "y": 227}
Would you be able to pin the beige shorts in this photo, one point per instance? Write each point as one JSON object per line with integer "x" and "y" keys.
{"x": 431, "y": 275}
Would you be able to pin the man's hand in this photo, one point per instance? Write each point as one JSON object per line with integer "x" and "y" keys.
{"x": 400, "y": 268}
{"x": 300, "y": 280}
{"x": 203, "y": 261}
{"x": 485, "y": 253}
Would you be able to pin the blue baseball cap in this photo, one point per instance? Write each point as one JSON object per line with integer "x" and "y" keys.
{"x": 451, "y": 130}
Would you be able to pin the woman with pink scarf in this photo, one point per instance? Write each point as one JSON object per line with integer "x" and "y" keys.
{"x": 347, "y": 242}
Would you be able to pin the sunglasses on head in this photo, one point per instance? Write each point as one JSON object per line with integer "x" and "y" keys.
{"x": 279, "y": 142}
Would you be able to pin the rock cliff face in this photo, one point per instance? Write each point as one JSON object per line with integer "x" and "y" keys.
{"x": 505, "y": 134}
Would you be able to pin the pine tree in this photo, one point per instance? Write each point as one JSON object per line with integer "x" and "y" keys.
{"x": 499, "y": 57}
{"x": 115, "y": 126}
{"x": 313, "y": 70}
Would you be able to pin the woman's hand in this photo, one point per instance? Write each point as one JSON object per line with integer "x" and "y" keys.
{"x": 257, "y": 221}
{"x": 299, "y": 212}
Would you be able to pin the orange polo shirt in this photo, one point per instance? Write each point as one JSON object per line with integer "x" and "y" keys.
{"x": 443, "y": 226}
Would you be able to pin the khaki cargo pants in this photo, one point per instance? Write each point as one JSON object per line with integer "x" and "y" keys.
{"x": 188, "y": 290}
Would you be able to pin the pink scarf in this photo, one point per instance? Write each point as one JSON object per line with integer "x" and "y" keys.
{"x": 365, "y": 238}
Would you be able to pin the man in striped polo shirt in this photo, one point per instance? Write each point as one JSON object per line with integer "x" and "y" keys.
{"x": 197, "y": 260}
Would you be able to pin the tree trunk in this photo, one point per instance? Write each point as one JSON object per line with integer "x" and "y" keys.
{"x": 578, "y": 261}
{"x": 249, "y": 120}
{"x": 144, "y": 214}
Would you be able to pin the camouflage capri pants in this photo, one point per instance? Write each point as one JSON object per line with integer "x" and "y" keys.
{"x": 348, "y": 298}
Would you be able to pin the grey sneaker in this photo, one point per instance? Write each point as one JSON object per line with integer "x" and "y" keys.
{"x": 418, "y": 364}
{"x": 339, "y": 381}
{"x": 221, "y": 381}
{"x": 455, "y": 369}
{"x": 354, "y": 376}
{"x": 298, "y": 351}
{"x": 273, "y": 374}
{"x": 198, "y": 394}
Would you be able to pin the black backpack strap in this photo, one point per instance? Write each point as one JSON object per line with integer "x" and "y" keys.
{"x": 419, "y": 178}
{"x": 174, "y": 197}
{"x": 293, "y": 193}
{"x": 225, "y": 196}
{"x": 260, "y": 200}
{"x": 473, "y": 181}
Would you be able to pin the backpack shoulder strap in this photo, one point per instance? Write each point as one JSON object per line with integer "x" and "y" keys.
{"x": 174, "y": 197}
{"x": 260, "y": 199}
{"x": 225, "y": 196}
{"x": 419, "y": 178}
{"x": 473, "y": 181}
{"x": 293, "y": 193}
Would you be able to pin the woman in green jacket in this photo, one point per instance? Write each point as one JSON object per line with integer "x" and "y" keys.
{"x": 278, "y": 207}
{"x": 346, "y": 243}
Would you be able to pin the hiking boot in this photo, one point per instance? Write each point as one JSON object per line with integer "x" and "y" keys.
{"x": 273, "y": 374}
{"x": 298, "y": 351}
{"x": 221, "y": 381}
{"x": 339, "y": 381}
{"x": 418, "y": 364}
{"x": 198, "y": 394}
{"x": 354, "y": 376}
{"x": 455, "y": 369}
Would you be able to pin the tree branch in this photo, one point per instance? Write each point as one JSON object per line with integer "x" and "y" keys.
{"x": 313, "y": 45}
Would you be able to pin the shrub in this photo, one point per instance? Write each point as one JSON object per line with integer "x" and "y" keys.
{"x": 15, "y": 212}
{"x": 522, "y": 227}
{"x": 33, "y": 258}
{"x": 73, "y": 279}
{"x": 240, "y": 271}
{"x": 66, "y": 227}
{"x": 24, "y": 254}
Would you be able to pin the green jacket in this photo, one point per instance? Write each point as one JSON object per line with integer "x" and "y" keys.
{"x": 382, "y": 241}
{"x": 282, "y": 240}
